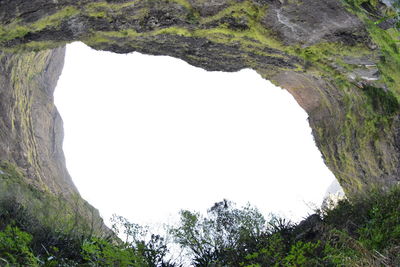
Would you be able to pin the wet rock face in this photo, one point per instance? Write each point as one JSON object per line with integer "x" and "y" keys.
{"x": 337, "y": 58}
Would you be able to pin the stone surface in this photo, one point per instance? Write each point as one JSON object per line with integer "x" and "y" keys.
{"x": 336, "y": 58}
{"x": 31, "y": 135}
{"x": 30, "y": 126}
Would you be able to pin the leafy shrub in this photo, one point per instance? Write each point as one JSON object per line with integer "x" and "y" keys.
{"x": 99, "y": 252}
{"x": 303, "y": 254}
{"x": 225, "y": 236}
{"x": 363, "y": 231}
{"x": 15, "y": 247}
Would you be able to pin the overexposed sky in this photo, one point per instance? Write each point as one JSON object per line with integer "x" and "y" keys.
{"x": 146, "y": 136}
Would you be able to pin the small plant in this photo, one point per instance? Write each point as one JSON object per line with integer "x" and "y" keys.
{"x": 304, "y": 254}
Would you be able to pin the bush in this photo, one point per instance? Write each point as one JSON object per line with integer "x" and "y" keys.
{"x": 99, "y": 252}
{"x": 15, "y": 247}
{"x": 363, "y": 231}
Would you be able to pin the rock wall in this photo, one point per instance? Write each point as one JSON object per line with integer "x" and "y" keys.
{"x": 339, "y": 59}
{"x": 30, "y": 126}
{"x": 32, "y": 163}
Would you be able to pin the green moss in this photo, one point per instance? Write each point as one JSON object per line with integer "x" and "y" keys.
{"x": 238, "y": 9}
{"x": 387, "y": 40}
{"x": 36, "y": 46}
{"x": 173, "y": 31}
{"x": 54, "y": 20}
{"x": 18, "y": 29}
{"x": 357, "y": 144}
{"x": 255, "y": 36}
{"x": 193, "y": 17}
{"x": 254, "y": 39}
{"x": 10, "y": 33}
{"x": 98, "y": 14}
{"x": 25, "y": 68}
{"x": 104, "y": 9}
{"x": 110, "y": 37}
{"x": 183, "y": 3}
{"x": 366, "y": 116}
{"x": 369, "y": 111}
{"x": 357, "y": 3}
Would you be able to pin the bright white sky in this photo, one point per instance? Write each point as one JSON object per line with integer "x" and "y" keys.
{"x": 146, "y": 136}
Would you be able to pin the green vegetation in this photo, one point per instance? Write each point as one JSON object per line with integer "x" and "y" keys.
{"x": 38, "y": 228}
{"x": 364, "y": 232}
{"x": 383, "y": 102}
{"x": 16, "y": 29}
{"x": 224, "y": 236}
{"x": 66, "y": 213}
{"x": 240, "y": 23}
{"x": 24, "y": 241}
{"x": 369, "y": 106}
{"x": 361, "y": 232}
{"x": 387, "y": 39}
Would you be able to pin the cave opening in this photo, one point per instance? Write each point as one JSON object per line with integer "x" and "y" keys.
{"x": 146, "y": 136}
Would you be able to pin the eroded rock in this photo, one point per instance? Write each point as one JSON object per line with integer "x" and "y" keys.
{"x": 334, "y": 57}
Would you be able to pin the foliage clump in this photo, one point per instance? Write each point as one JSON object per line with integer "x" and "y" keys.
{"x": 28, "y": 243}
{"x": 363, "y": 231}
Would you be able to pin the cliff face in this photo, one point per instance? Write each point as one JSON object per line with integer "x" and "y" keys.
{"x": 30, "y": 126}
{"x": 339, "y": 59}
{"x": 32, "y": 163}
